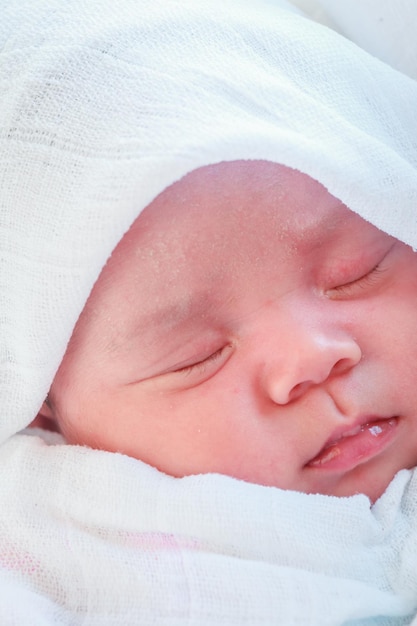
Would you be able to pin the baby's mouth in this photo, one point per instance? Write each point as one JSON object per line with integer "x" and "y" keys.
{"x": 347, "y": 449}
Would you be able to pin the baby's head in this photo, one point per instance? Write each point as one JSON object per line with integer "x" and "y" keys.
{"x": 249, "y": 324}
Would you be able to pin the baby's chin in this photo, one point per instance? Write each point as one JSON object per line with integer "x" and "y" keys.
{"x": 363, "y": 480}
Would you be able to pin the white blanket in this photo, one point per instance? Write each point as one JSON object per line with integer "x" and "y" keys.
{"x": 102, "y": 106}
{"x": 96, "y": 538}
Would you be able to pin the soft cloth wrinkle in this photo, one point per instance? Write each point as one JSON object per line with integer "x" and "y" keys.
{"x": 177, "y": 539}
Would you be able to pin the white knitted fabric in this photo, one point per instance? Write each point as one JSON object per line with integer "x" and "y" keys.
{"x": 382, "y": 27}
{"x": 102, "y": 105}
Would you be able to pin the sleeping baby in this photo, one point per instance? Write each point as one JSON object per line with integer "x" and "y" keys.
{"x": 208, "y": 288}
{"x": 237, "y": 329}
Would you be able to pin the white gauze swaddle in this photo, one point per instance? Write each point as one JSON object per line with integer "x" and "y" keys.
{"x": 102, "y": 106}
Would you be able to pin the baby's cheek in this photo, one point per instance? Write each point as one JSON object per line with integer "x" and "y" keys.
{"x": 45, "y": 423}
{"x": 69, "y": 415}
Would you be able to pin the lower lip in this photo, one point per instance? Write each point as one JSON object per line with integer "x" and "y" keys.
{"x": 350, "y": 451}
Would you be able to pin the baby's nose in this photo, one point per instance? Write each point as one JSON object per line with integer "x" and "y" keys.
{"x": 310, "y": 361}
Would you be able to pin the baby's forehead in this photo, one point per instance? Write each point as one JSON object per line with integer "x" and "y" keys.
{"x": 229, "y": 213}
{"x": 248, "y": 193}
{"x": 236, "y": 219}
{"x": 216, "y": 237}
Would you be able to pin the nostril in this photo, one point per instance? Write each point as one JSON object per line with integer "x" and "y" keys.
{"x": 310, "y": 367}
{"x": 341, "y": 366}
{"x": 300, "y": 389}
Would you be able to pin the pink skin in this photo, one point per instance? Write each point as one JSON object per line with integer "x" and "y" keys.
{"x": 240, "y": 327}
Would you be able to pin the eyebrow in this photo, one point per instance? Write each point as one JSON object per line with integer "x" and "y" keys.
{"x": 313, "y": 235}
{"x": 169, "y": 317}
{"x": 177, "y": 312}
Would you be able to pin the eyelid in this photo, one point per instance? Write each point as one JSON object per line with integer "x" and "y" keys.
{"x": 202, "y": 364}
{"x": 197, "y": 372}
{"x": 368, "y": 279}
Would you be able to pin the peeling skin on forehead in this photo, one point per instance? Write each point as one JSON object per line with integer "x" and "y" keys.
{"x": 210, "y": 191}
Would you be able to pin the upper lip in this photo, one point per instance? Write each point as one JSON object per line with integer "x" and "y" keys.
{"x": 349, "y": 430}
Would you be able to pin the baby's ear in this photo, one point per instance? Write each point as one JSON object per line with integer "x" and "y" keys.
{"x": 45, "y": 418}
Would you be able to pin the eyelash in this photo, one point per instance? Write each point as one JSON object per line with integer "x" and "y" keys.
{"x": 202, "y": 365}
{"x": 367, "y": 280}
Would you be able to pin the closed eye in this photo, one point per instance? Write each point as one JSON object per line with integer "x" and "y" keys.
{"x": 189, "y": 373}
{"x": 356, "y": 286}
{"x": 204, "y": 365}
{"x": 360, "y": 285}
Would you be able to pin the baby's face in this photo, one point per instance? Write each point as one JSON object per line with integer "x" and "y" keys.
{"x": 249, "y": 324}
